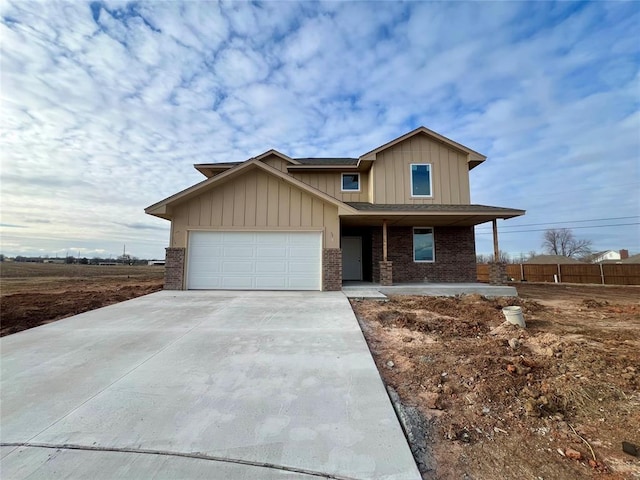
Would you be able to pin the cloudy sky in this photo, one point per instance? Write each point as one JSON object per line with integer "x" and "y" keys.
{"x": 107, "y": 105}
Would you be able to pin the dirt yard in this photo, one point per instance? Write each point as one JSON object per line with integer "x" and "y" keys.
{"x": 552, "y": 401}
{"x": 33, "y": 294}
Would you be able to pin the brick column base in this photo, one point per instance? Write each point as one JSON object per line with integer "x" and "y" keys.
{"x": 497, "y": 273}
{"x": 331, "y": 269}
{"x": 174, "y": 269}
{"x": 386, "y": 273}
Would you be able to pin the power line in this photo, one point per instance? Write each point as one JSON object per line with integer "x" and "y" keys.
{"x": 570, "y": 221}
{"x": 544, "y": 229}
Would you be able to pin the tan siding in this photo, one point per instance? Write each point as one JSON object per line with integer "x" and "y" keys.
{"x": 295, "y": 207}
{"x": 392, "y": 172}
{"x": 250, "y": 201}
{"x": 205, "y": 209}
{"x": 256, "y": 200}
{"x": 239, "y": 200}
{"x": 284, "y": 210}
{"x": 330, "y": 183}
{"x": 276, "y": 162}
{"x": 217, "y": 201}
{"x": 272, "y": 202}
{"x": 262, "y": 188}
{"x": 305, "y": 205}
{"x": 227, "y": 204}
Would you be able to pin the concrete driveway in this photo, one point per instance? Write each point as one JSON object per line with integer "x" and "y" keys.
{"x": 211, "y": 385}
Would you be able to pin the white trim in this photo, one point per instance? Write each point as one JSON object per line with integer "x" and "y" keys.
{"x": 342, "y": 182}
{"x": 413, "y": 244}
{"x": 430, "y": 180}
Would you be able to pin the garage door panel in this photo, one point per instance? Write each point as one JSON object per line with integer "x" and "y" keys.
{"x": 271, "y": 252}
{"x": 240, "y": 251}
{"x": 238, "y": 237}
{"x": 237, "y": 283}
{"x": 236, "y": 267}
{"x": 271, "y": 283}
{"x": 270, "y": 267}
{"x": 254, "y": 260}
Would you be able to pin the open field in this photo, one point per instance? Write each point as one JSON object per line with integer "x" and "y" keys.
{"x": 33, "y": 294}
{"x": 497, "y": 402}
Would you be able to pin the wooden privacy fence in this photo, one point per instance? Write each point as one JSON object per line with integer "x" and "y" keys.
{"x": 604, "y": 274}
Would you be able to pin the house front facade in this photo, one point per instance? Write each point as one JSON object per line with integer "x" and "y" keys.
{"x": 399, "y": 213}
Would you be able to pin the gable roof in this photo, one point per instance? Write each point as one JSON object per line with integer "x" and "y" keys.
{"x": 475, "y": 158}
{"x": 284, "y": 157}
{"x": 159, "y": 209}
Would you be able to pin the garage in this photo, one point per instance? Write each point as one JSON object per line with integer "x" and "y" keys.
{"x": 254, "y": 260}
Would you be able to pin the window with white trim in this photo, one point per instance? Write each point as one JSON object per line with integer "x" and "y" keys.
{"x": 421, "y": 180}
{"x": 350, "y": 182}
{"x": 423, "y": 246}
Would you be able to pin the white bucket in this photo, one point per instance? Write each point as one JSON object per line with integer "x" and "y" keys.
{"x": 514, "y": 316}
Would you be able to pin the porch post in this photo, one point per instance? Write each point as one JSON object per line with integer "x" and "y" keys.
{"x": 384, "y": 240}
{"x": 497, "y": 269}
{"x": 386, "y": 267}
{"x": 496, "y": 249}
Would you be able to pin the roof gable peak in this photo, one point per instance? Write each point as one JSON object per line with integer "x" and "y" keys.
{"x": 475, "y": 158}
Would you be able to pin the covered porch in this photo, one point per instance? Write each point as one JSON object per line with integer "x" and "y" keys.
{"x": 402, "y": 245}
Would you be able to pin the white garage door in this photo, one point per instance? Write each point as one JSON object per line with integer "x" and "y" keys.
{"x": 254, "y": 260}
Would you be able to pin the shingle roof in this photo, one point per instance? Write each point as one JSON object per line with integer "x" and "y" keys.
{"x": 364, "y": 206}
{"x": 327, "y": 161}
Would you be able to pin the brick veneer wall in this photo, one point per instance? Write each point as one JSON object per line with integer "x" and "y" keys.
{"x": 332, "y": 269}
{"x": 386, "y": 273}
{"x": 174, "y": 269}
{"x": 455, "y": 256}
{"x": 498, "y": 273}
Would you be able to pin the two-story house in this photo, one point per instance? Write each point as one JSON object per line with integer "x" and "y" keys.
{"x": 399, "y": 213}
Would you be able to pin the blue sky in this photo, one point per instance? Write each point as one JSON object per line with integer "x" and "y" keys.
{"x": 107, "y": 105}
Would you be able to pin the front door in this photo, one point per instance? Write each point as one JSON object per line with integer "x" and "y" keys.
{"x": 352, "y": 258}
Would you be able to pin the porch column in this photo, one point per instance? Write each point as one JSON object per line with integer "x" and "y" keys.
{"x": 496, "y": 249}
{"x": 384, "y": 240}
{"x": 497, "y": 269}
{"x": 386, "y": 267}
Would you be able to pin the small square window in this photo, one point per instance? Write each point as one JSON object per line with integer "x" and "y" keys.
{"x": 423, "y": 248}
{"x": 420, "y": 180}
{"x": 350, "y": 182}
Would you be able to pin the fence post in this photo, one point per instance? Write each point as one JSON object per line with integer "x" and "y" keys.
{"x": 601, "y": 274}
{"x": 521, "y": 273}
{"x": 559, "y": 274}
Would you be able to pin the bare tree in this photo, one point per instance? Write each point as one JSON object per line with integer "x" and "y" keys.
{"x": 502, "y": 258}
{"x": 560, "y": 241}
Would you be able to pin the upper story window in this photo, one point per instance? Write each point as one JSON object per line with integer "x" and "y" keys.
{"x": 350, "y": 182}
{"x": 421, "y": 180}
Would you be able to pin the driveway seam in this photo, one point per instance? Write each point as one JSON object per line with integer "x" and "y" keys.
{"x": 195, "y": 455}
{"x": 124, "y": 375}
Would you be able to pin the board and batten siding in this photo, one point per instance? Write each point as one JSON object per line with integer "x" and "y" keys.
{"x": 391, "y": 177}
{"x": 331, "y": 184}
{"x": 276, "y": 162}
{"x": 256, "y": 201}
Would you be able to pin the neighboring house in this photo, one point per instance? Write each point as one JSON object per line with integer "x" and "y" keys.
{"x": 607, "y": 256}
{"x": 632, "y": 259}
{"x": 399, "y": 213}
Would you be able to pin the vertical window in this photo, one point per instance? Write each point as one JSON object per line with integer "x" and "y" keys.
{"x": 423, "y": 249}
{"x": 350, "y": 182}
{"x": 420, "y": 180}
